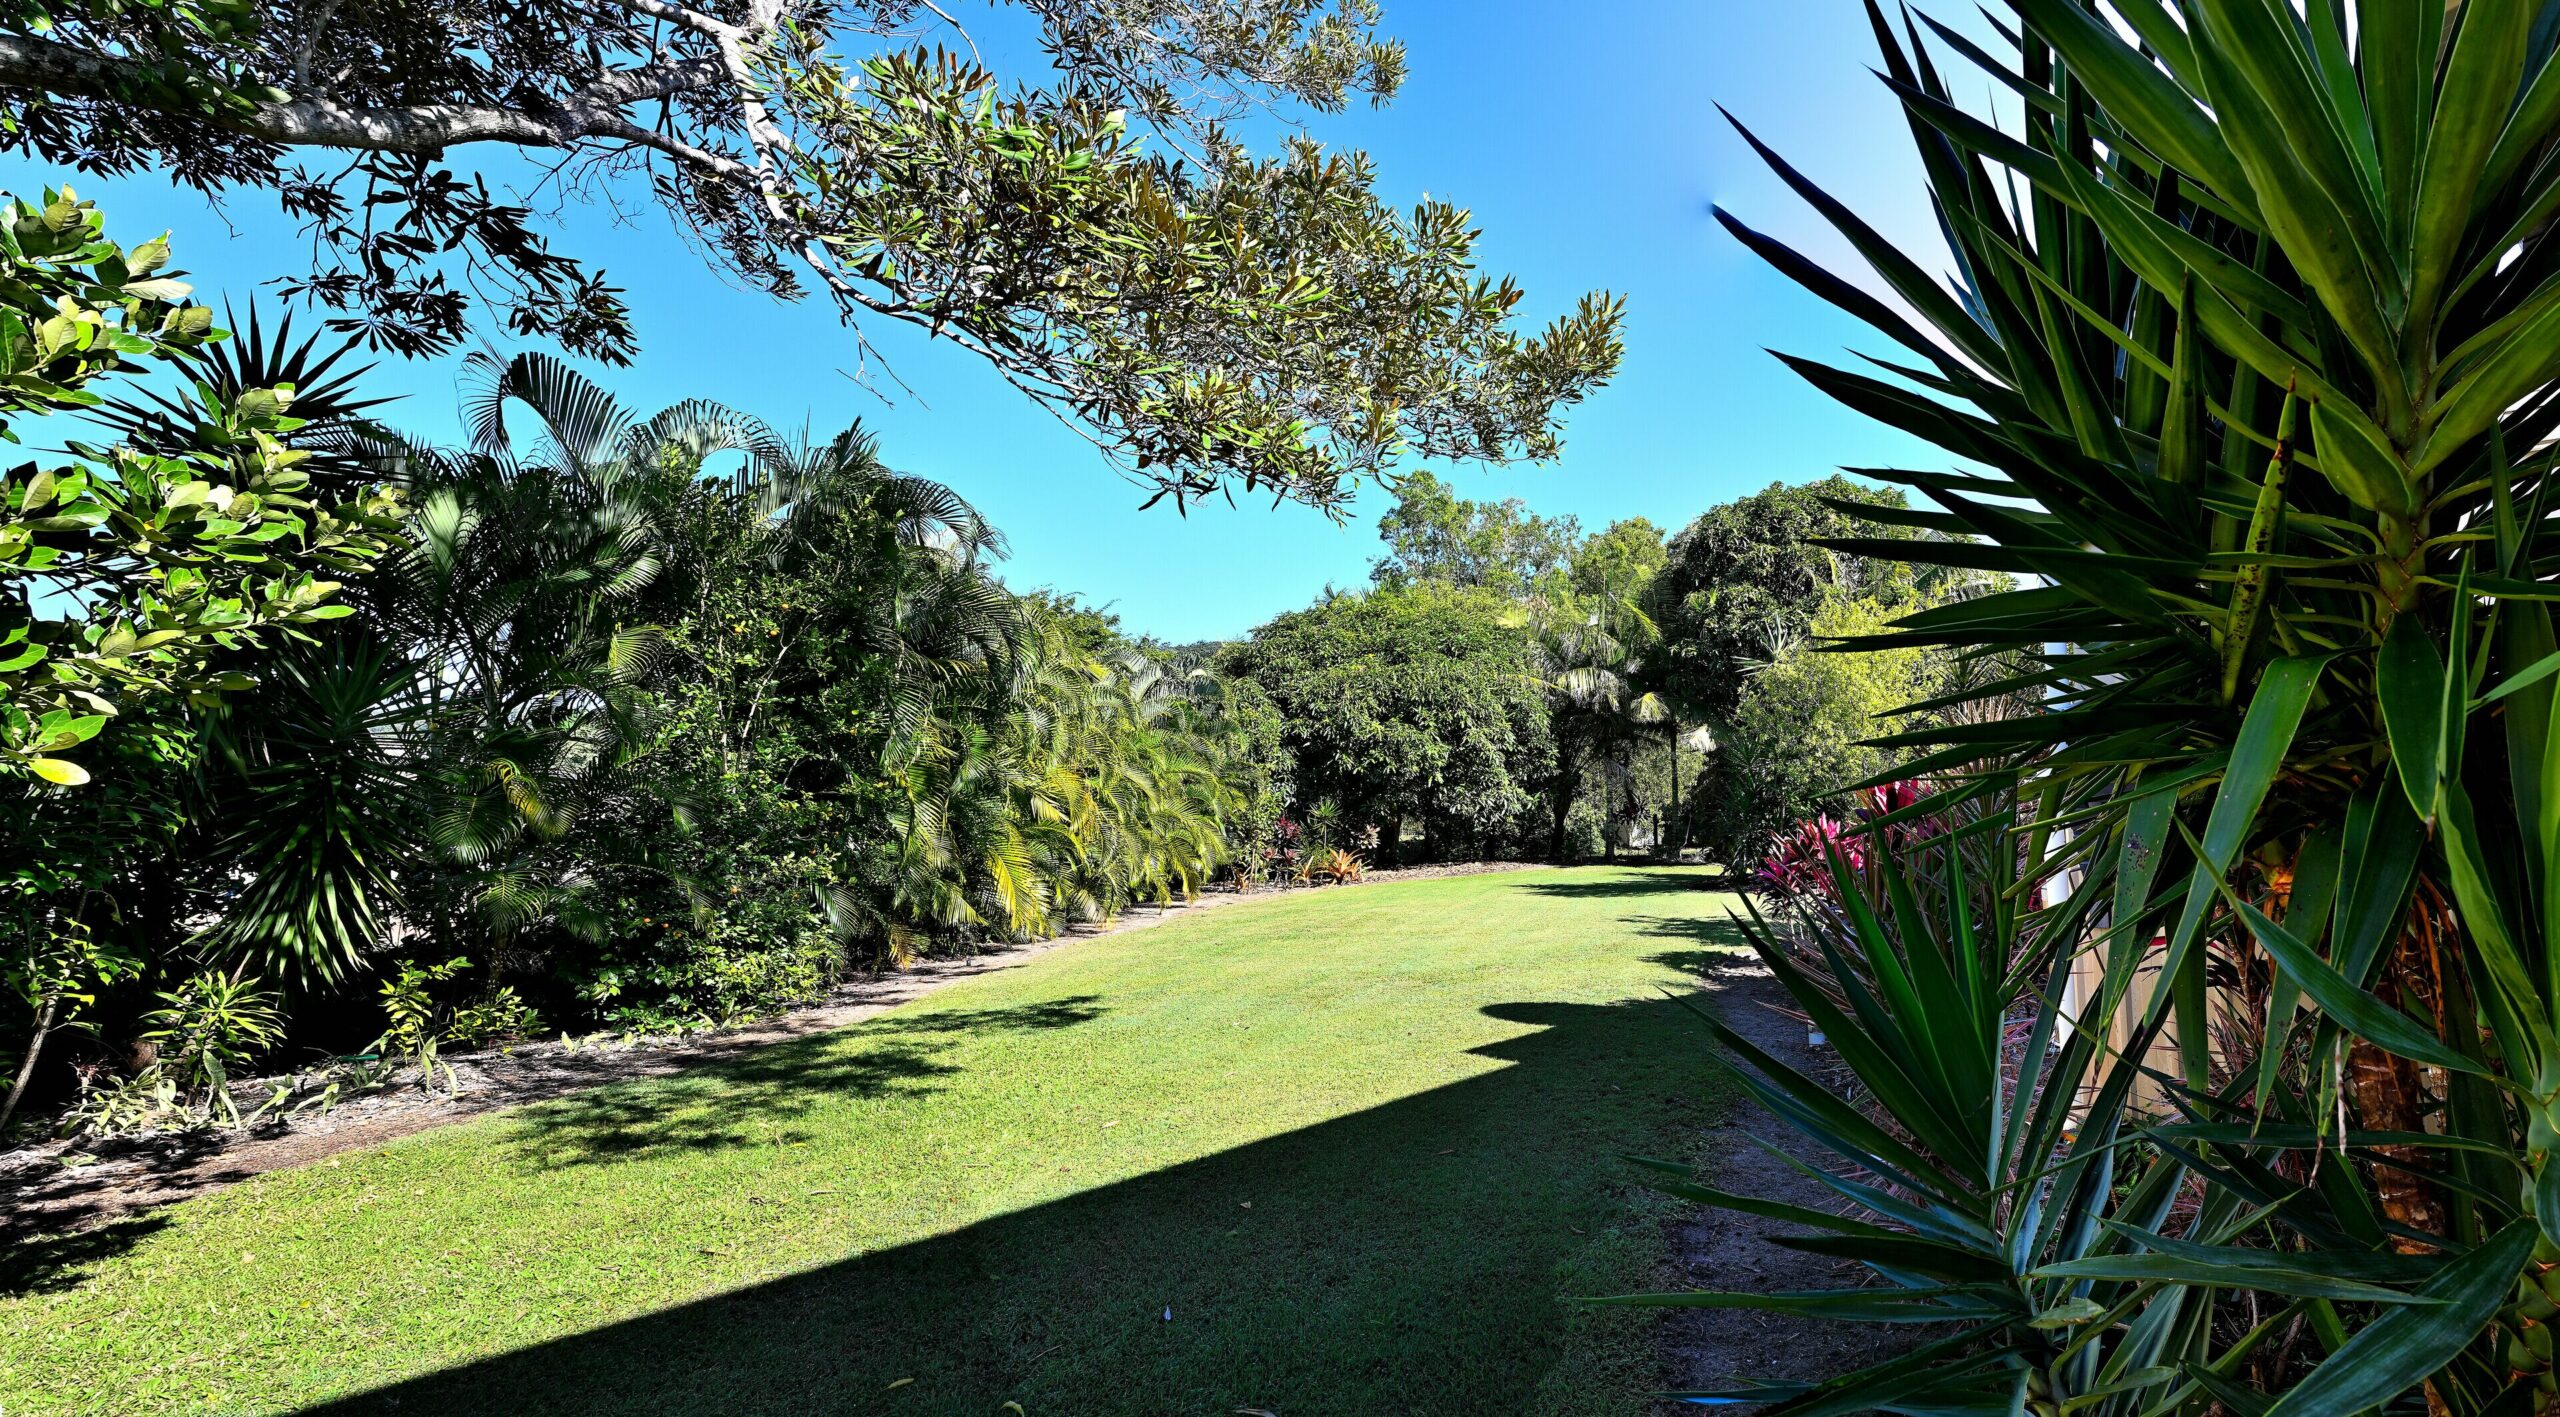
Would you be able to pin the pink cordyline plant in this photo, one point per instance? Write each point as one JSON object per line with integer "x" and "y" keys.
{"x": 1801, "y": 859}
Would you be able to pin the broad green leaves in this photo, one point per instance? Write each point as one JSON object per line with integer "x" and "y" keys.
{"x": 170, "y": 551}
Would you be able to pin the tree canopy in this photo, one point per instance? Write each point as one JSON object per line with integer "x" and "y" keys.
{"x": 1213, "y": 319}
{"x": 1410, "y": 704}
{"x": 126, "y": 571}
{"x": 1800, "y": 730}
{"x": 1620, "y": 560}
{"x": 1434, "y": 535}
{"x": 1746, "y": 579}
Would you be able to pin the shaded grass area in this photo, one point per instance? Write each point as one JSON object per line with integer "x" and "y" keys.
{"x": 1348, "y": 1152}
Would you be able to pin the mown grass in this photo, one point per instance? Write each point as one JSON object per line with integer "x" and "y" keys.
{"x": 1349, "y": 1152}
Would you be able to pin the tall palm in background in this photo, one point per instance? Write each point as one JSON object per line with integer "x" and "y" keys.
{"x": 1153, "y": 762}
{"x": 1097, "y": 787}
{"x": 1590, "y": 645}
{"x": 516, "y": 606}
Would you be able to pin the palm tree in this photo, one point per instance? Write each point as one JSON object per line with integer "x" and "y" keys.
{"x": 601, "y": 633}
{"x": 1092, "y": 782}
{"x": 486, "y": 705}
{"x": 1590, "y": 648}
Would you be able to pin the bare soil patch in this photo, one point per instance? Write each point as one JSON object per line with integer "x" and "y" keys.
{"x": 64, "y": 1186}
{"x": 1716, "y": 1349}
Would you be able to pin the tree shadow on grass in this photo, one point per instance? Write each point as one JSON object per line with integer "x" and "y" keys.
{"x": 718, "y": 1105}
{"x": 58, "y": 1262}
{"x": 1043, "y": 1014}
{"x": 1636, "y": 881}
{"x": 1416, "y": 1257}
{"x": 1722, "y": 930}
{"x": 56, "y": 1225}
{"x": 756, "y": 1098}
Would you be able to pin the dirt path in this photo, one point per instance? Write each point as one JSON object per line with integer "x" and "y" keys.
{"x": 59, "y": 1187}
{"x": 1717, "y": 1349}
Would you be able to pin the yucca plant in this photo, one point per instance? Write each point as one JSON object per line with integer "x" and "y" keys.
{"x": 2066, "y": 1256}
{"x": 2245, "y": 363}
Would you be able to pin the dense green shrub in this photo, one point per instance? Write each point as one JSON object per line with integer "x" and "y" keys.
{"x": 1414, "y": 705}
{"x": 1799, "y": 732}
{"x": 755, "y": 956}
{"x": 656, "y": 722}
{"x": 1584, "y": 827}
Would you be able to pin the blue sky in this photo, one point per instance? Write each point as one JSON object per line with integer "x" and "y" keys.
{"x": 1587, "y": 143}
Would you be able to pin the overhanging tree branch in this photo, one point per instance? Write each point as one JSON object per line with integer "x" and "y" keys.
{"x": 594, "y": 111}
{"x": 1205, "y": 317}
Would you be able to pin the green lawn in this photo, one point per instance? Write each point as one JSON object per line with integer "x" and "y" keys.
{"x": 1337, "y": 1153}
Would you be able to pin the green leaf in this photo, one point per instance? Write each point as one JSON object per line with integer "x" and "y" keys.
{"x": 2071, "y": 1313}
{"x": 1805, "y": 1216}
{"x": 2241, "y": 1401}
{"x": 2162, "y": 252}
{"x": 2275, "y": 124}
{"x": 2537, "y": 112}
{"x": 2546, "y": 1196}
{"x": 2516, "y": 1010}
{"x": 1946, "y": 1263}
{"x": 1866, "y": 308}
{"x": 2523, "y": 362}
{"x": 2397, "y": 51}
{"x": 1866, "y": 1306}
{"x": 2303, "y": 1137}
{"x": 1807, "y": 1106}
{"x": 1899, "y": 271}
{"x": 2385, "y": 841}
{"x": 2359, "y": 1012}
{"x": 2235, "y": 1269}
{"x": 2479, "y": 88}
{"x": 2182, "y": 418}
{"x": 69, "y": 774}
{"x": 2409, "y": 677}
{"x": 2139, "y": 96}
{"x": 2363, "y": 470}
{"x": 2541, "y": 669}
{"x": 2266, "y": 735}
{"x": 2152, "y": 20}
{"x": 2401, "y": 1349}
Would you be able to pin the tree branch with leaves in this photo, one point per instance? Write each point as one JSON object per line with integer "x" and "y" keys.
{"x": 126, "y": 569}
{"x": 1214, "y": 321}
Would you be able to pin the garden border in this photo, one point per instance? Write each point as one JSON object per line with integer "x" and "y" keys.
{"x": 46, "y": 1190}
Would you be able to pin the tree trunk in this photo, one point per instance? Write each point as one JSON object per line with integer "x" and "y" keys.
{"x": 2387, "y": 1093}
{"x": 27, "y": 1069}
{"x": 2386, "y": 1096}
{"x": 1662, "y": 843}
{"x": 1682, "y": 824}
{"x": 1567, "y": 783}
{"x": 1610, "y": 819}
